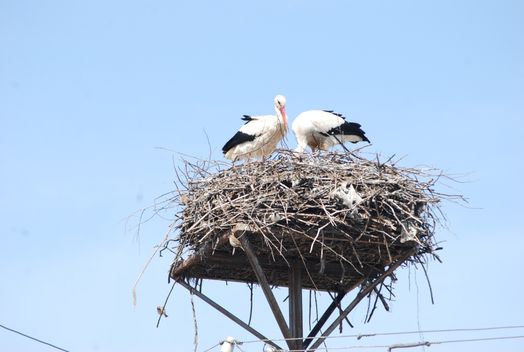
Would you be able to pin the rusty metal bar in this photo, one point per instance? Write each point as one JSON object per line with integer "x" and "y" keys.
{"x": 363, "y": 293}
{"x": 295, "y": 304}
{"x": 262, "y": 280}
{"x": 227, "y": 313}
{"x": 323, "y": 319}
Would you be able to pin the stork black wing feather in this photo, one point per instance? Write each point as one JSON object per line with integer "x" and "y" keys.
{"x": 335, "y": 113}
{"x": 349, "y": 128}
{"x": 246, "y": 118}
{"x": 238, "y": 138}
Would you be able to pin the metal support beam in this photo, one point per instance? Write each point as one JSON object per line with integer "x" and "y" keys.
{"x": 363, "y": 293}
{"x": 262, "y": 280}
{"x": 295, "y": 304}
{"x": 227, "y": 313}
{"x": 323, "y": 319}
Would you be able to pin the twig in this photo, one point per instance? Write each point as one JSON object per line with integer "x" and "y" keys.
{"x": 195, "y": 338}
{"x": 165, "y": 304}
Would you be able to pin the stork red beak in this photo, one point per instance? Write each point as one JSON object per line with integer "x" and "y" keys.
{"x": 283, "y": 113}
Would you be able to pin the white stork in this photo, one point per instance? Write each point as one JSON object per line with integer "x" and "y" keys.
{"x": 322, "y": 129}
{"x": 260, "y": 134}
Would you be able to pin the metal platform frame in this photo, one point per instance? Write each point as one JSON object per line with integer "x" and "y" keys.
{"x": 293, "y": 333}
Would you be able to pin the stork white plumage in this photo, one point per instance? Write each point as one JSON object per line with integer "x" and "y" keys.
{"x": 260, "y": 134}
{"x": 323, "y": 129}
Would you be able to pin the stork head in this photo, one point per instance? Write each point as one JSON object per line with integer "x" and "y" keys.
{"x": 280, "y": 101}
{"x": 280, "y": 107}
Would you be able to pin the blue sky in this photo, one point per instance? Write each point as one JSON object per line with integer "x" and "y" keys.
{"x": 93, "y": 95}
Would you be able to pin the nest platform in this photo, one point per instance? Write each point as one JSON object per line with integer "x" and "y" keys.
{"x": 339, "y": 219}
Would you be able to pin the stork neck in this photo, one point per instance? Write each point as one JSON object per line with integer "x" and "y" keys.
{"x": 281, "y": 114}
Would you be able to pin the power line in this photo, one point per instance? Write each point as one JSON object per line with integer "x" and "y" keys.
{"x": 405, "y": 345}
{"x": 408, "y": 345}
{"x": 415, "y": 344}
{"x": 33, "y": 338}
{"x": 479, "y": 339}
{"x": 212, "y": 347}
{"x": 436, "y": 331}
{"x": 359, "y": 336}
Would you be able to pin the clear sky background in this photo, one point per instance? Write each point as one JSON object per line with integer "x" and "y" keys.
{"x": 94, "y": 94}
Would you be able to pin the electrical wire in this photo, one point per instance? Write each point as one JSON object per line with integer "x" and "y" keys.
{"x": 480, "y": 339}
{"x": 33, "y": 338}
{"x": 212, "y": 347}
{"x": 400, "y": 345}
{"x": 359, "y": 336}
{"x": 423, "y": 343}
{"x": 438, "y": 331}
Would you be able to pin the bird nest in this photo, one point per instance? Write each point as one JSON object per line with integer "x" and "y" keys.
{"x": 340, "y": 218}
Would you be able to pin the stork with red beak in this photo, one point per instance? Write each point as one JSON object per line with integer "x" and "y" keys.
{"x": 323, "y": 129}
{"x": 259, "y": 136}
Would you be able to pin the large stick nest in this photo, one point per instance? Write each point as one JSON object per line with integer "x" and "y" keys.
{"x": 341, "y": 218}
